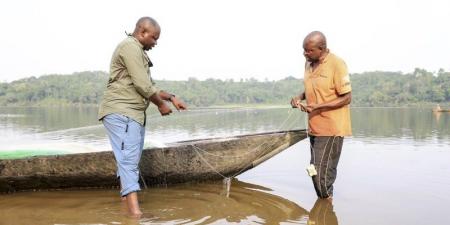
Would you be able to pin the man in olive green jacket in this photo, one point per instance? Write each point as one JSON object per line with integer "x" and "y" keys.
{"x": 129, "y": 91}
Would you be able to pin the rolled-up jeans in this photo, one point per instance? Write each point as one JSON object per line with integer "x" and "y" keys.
{"x": 127, "y": 140}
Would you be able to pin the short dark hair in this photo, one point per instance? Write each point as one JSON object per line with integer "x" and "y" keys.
{"x": 147, "y": 19}
{"x": 319, "y": 37}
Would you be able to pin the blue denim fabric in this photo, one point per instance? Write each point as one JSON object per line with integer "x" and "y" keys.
{"x": 127, "y": 140}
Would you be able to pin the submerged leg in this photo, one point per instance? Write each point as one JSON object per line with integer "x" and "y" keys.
{"x": 133, "y": 205}
{"x": 126, "y": 137}
{"x": 325, "y": 153}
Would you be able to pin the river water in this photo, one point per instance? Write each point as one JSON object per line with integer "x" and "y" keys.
{"x": 395, "y": 169}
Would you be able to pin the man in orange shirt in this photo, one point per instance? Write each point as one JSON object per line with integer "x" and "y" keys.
{"x": 328, "y": 95}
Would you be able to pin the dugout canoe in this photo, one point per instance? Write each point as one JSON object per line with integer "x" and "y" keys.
{"x": 186, "y": 161}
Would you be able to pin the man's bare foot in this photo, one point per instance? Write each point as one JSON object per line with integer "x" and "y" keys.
{"x": 133, "y": 205}
{"x": 136, "y": 215}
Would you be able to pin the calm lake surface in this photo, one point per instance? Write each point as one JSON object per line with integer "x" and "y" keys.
{"x": 394, "y": 170}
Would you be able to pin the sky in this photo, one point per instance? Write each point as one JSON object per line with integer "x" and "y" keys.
{"x": 223, "y": 39}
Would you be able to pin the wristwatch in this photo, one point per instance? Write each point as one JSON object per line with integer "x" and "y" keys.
{"x": 171, "y": 96}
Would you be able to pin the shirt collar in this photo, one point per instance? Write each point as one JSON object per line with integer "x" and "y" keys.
{"x": 137, "y": 41}
{"x": 324, "y": 60}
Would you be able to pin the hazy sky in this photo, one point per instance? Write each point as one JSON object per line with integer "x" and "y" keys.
{"x": 223, "y": 39}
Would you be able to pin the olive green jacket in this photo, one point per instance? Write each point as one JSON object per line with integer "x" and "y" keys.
{"x": 130, "y": 84}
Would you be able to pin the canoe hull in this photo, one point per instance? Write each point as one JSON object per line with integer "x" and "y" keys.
{"x": 206, "y": 159}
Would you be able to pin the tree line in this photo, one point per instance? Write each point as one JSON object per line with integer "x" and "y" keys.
{"x": 376, "y": 88}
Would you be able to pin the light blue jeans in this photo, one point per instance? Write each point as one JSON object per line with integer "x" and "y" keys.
{"x": 127, "y": 140}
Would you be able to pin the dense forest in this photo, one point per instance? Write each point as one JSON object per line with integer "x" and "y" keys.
{"x": 369, "y": 89}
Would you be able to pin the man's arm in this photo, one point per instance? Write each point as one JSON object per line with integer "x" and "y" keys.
{"x": 134, "y": 63}
{"x": 162, "y": 106}
{"x": 178, "y": 104}
{"x": 339, "y": 102}
{"x": 166, "y": 96}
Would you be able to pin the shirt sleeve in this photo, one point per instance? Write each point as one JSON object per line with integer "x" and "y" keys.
{"x": 342, "y": 78}
{"x": 134, "y": 62}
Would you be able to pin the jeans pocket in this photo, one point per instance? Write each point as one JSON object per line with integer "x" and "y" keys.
{"x": 132, "y": 142}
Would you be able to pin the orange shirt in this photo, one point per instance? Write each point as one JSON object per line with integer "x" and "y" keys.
{"x": 329, "y": 80}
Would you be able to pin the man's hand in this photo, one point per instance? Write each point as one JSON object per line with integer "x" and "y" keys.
{"x": 164, "y": 109}
{"x": 311, "y": 107}
{"x": 339, "y": 102}
{"x": 178, "y": 104}
{"x": 303, "y": 107}
{"x": 295, "y": 101}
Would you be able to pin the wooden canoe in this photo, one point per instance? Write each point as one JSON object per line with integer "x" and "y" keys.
{"x": 187, "y": 161}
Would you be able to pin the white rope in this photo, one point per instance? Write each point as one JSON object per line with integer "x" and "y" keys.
{"x": 262, "y": 152}
{"x": 71, "y": 129}
{"x": 247, "y": 152}
{"x": 246, "y": 166}
{"x": 240, "y": 156}
{"x": 204, "y": 160}
{"x": 227, "y": 180}
{"x": 143, "y": 181}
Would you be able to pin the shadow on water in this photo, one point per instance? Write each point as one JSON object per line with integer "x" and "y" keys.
{"x": 203, "y": 203}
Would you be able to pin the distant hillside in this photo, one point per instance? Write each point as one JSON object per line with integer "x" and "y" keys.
{"x": 369, "y": 89}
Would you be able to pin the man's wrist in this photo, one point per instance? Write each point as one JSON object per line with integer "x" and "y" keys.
{"x": 171, "y": 97}
{"x": 302, "y": 96}
{"x": 156, "y": 99}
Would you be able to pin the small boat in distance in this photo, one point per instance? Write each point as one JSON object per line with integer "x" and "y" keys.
{"x": 439, "y": 109}
{"x": 186, "y": 161}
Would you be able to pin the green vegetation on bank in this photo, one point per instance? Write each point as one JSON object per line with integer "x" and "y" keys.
{"x": 369, "y": 89}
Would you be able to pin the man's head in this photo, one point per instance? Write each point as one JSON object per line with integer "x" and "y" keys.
{"x": 147, "y": 32}
{"x": 314, "y": 46}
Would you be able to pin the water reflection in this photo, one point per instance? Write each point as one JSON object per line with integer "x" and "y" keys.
{"x": 416, "y": 123}
{"x": 207, "y": 203}
{"x": 437, "y": 115}
{"x": 204, "y": 203}
{"x": 42, "y": 119}
{"x": 409, "y": 123}
{"x": 388, "y": 143}
{"x": 81, "y": 127}
{"x": 322, "y": 213}
{"x": 76, "y": 129}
